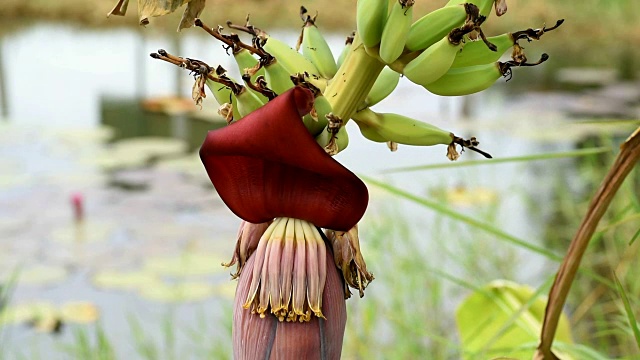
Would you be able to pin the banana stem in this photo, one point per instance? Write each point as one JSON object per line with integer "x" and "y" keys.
{"x": 353, "y": 81}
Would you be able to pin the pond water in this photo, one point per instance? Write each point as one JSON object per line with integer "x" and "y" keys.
{"x": 150, "y": 213}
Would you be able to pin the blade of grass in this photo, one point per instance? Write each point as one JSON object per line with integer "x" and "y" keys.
{"x": 627, "y": 308}
{"x": 464, "y": 218}
{"x": 526, "y": 158}
{"x": 634, "y": 237}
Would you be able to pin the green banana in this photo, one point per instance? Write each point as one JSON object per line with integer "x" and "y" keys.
{"x": 223, "y": 95}
{"x": 278, "y": 78}
{"x": 435, "y": 25}
{"x": 340, "y": 142}
{"x": 293, "y": 61}
{"x": 472, "y": 79}
{"x": 433, "y": 62}
{"x": 477, "y": 53}
{"x": 383, "y": 87}
{"x": 483, "y": 5}
{"x": 316, "y": 49}
{"x": 467, "y": 80}
{"x": 383, "y": 127}
{"x": 345, "y": 50}
{"x": 316, "y": 120}
{"x": 245, "y": 60}
{"x": 247, "y": 101}
{"x": 396, "y": 29}
{"x": 371, "y": 16}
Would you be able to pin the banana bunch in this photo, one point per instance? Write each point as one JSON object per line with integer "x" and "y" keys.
{"x": 444, "y": 51}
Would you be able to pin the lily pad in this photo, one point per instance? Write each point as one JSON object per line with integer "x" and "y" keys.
{"x": 178, "y": 292}
{"x": 227, "y": 289}
{"x": 39, "y": 275}
{"x": 135, "y": 152}
{"x": 187, "y": 264}
{"x": 151, "y": 146}
{"x": 121, "y": 280}
{"x": 111, "y": 159}
{"x": 190, "y": 165}
{"x": 22, "y": 313}
{"x": 80, "y": 312}
{"x": 86, "y": 136}
{"x": 491, "y": 322}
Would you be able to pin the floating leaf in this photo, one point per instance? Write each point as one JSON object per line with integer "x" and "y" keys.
{"x": 121, "y": 280}
{"x": 227, "y": 289}
{"x": 135, "y": 152}
{"x": 40, "y": 275}
{"x": 80, "y": 312}
{"x": 84, "y": 136}
{"x": 190, "y": 165}
{"x": 179, "y": 292}
{"x": 502, "y": 319}
{"x": 22, "y": 313}
{"x": 187, "y": 264}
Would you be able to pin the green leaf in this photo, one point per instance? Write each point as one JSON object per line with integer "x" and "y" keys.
{"x": 504, "y": 319}
{"x": 627, "y": 307}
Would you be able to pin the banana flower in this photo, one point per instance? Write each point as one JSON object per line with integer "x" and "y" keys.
{"x": 292, "y": 279}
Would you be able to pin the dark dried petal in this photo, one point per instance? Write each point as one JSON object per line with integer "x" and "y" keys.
{"x": 268, "y": 165}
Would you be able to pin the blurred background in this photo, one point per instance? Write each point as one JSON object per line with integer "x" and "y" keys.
{"x": 111, "y": 236}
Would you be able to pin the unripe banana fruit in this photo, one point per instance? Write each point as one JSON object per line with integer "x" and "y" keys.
{"x": 278, "y": 78}
{"x": 483, "y": 5}
{"x": 316, "y": 49}
{"x": 345, "y": 50}
{"x": 477, "y": 53}
{"x": 293, "y": 61}
{"x": 396, "y": 29}
{"x": 316, "y": 120}
{"x": 371, "y": 16}
{"x": 383, "y": 127}
{"x": 223, "y": 95}
{"x": 433, "y": 62}
{"x": 435, "y": 25}
{"x": 472, "y": 79}
{"x": 339, "y": 142}
{"x": 247, "y": 102}
{"x": 383, "y": 87}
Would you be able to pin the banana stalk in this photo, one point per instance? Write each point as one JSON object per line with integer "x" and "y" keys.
{"x": 353, "y": 81}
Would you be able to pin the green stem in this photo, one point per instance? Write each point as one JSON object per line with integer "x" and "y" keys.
{"x": 353, "y": 81}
